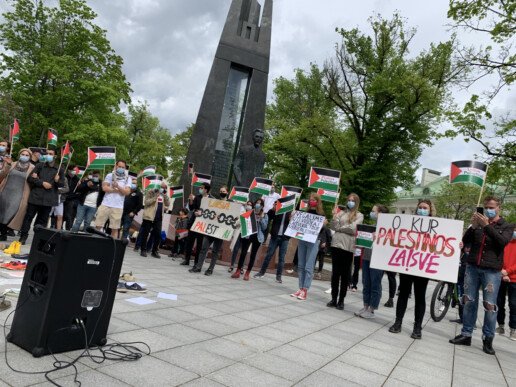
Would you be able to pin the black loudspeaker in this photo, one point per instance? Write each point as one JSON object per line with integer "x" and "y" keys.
{"x": 69, "y": 277}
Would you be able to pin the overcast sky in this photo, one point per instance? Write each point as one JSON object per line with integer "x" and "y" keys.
{"x": 168, "y": 48}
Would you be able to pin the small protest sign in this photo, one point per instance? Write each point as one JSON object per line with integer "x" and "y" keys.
{"x": 218, "y": 218}
{"x": 365, "y": 236}
{"x": 305, "y": 226}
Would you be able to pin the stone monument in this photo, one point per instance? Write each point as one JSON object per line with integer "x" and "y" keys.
{"x": 225, "y": 141}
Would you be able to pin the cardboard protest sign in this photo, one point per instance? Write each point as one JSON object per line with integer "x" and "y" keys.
{"x": 305, "y": 226}
{"x": 219, "y": 218}
{"x": 365, "y": 236}
{"x": 418, "y": 245}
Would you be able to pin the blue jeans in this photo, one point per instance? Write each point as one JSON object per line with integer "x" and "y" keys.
{"x": 306, "y": 255}
{"x": 489, "y": 280}
{"x": 372, "y": 282}
{"x": 84, "y": 214}
{"x": 274, "y": 243}
{"x": 126, "y": 224}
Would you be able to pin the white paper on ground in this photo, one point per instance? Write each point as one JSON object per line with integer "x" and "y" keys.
{"x": 167, "y": 296}
{"x": 141, "y": 301}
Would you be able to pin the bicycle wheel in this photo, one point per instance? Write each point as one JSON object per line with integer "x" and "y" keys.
{"x": 440, "y": 300}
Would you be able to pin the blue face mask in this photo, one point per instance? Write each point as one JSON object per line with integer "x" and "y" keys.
{"x": 50, "y": 158}
{"x": 42, "y": 158}
{"x": 201, "y": 191}
{"x": 120, "y": 171}
{"x": 2, "y": 149}
{"x": 258, "y": 206}
{"x": 351, "y": 204}
{"x": 95, "y": 179}
{"x": 490, "y": 213}
{"x": 423, "y": 212}
{"x": 133, "y": 186}
{"x": 24, "y": 159}
{"x": 373, "y": 215}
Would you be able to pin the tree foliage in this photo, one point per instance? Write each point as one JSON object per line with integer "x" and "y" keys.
{"x": 177, "y": 157}
{"x": 60, "y": 69}
{"x": 457, "y": 201}
{"x": 390, "y": 104}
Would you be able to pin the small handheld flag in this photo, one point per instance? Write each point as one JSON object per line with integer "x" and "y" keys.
{"x": 248, "y": 224}
{"x": 261, "y": 186}
{"x": 287, "y": 190}
{"x": 176, "y": 192}
{"x": 79, "y": 171}
{"x": 66, "y": 152}
{"x": 468, "y": 171}
{"x": 285, "y": 204}
{"x": 239, "y": 194}
{"x": 199, "y": 179}
{"x": 147, "y": 171}
{"x": 328, "y": 196}
{"x": 365, "y": 236}
{"x": 152, "y": 182}
{"x": 303, "y": 205}
{"x": 100, "y": 156}
{"x": 52, "y": 138}
{"x": 328, "y": 179}
{"x": 15, "y": 132}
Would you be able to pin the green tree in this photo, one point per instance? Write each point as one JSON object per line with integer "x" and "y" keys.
{"x": 457, "y": 201}
{"x": 148, "y": 143}
{"x": 178, "y": 150}
{"x": 59, "y": 68}
{"x": 390, "y": 104}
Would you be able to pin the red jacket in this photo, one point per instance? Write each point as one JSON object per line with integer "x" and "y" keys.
{"x": 509, "y": 259}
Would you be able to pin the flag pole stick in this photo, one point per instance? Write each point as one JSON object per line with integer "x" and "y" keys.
{"x": 11, "y": 141}
{"x": 483, "y": 186}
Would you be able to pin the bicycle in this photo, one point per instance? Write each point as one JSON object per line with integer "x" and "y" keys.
{"x": 445, "y": 294}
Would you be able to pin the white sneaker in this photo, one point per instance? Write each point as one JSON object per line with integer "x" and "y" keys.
{"x": 328, "y": 291}
{"x": 513, "y": 335}
{"x": 359, "y": 313}
{"x": 368, "y": 314}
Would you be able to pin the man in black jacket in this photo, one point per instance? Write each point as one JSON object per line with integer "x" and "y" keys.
{"x": 71, "y": 198}
{"x": 487, "y": 237}
{"x": 133, "y": 203}
{"x": 45, "y": 180}
{"x": 89, "y": 197}
{"x": 278, "y": 240}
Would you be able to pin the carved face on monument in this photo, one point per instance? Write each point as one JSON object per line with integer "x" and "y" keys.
{"x": 258, "y": 138}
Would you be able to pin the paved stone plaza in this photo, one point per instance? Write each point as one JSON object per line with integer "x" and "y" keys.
{"x": 229, "y": 332}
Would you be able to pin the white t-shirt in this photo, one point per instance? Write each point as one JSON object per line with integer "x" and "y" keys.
{"x": 115, "y": 199}
{"x": 91, "y": 199}
{"x": 269, "y": 201}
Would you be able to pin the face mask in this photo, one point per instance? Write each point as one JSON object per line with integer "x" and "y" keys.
{"x": 490, "y": 213}
{"x": 2, "y": 149}
{"x": 423, "y": 212}
{"x": 95, "y": 179}
{"x": 258, "y": 206}
{"x": 223, "y": 194}
{"x": 162, "y": 190}
{"x": 50, "y": 158}
{"x": 514, "y": 235}
{"x": 201, "y": 191}
{"x": 351, "y": 204}
{"x": 312, "y": 203}
{"x": 248, "y": 208}
{"x": 42, "y": 158}
{"x": 24, "y": 159}
{"x": 373, "y": 215}
{"x": 90, "y": 177}
{"x": 133, "y": 186}
{"x": 120, "y": 171}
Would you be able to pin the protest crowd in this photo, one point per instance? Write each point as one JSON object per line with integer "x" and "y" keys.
{"x": 41, "y": 186}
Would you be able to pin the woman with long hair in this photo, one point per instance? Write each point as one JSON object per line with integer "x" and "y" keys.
{"x": 344, "y": 223}
{"x": 14, "y": 193}
{"x": 255, "y": 240}
{"x": 307, "y": 251}
{"x": 424, "y": 208}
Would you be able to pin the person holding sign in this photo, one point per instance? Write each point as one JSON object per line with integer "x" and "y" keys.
{"x": 371, "y": 278}
{"x": 344, "y": 223}
{"x": 424, "y": 208}
{"x": 488, "y": 235}
{"x": 307, "y": 251}
{"x": 255, "y": 240}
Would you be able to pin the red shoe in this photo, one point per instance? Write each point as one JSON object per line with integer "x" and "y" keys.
{"x": 296, "y": 293}
{"x": 236, "y": 274}
{"x": 302, "y": 295}
{"x": 246, "y": 275}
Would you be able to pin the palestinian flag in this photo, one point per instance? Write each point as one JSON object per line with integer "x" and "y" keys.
{"x": 66, "y": 152}
{"x": 468, "y": 171}
{"x": 327, "y": 179}
{"x": 190, "y": 169}
{"x": 248, "y": 224}
{"x": 261, "y": 186}
{"x": 303, "y": 205}
{"x": 176, "y": 192}
{"x": 199, "y": 178}
{"x": 79, "y": 171}
{"x": 52, "y": 137}
{"x": 14, "y": 135}
{"x": 328, "y": 196}
{"x": 133, "y": 175}
{"x": 286, "y": 204}
{"x": 287, "y": 190}
{"x": 152, "y": 182}
{"x": 299, "y": 235}
{"x": 239, "y": 194}
{"x": 182, "y": 233}
{"x": 147, "y": 171}
{"x": 365, "y": 236}
{"x": 100, "y": 156}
